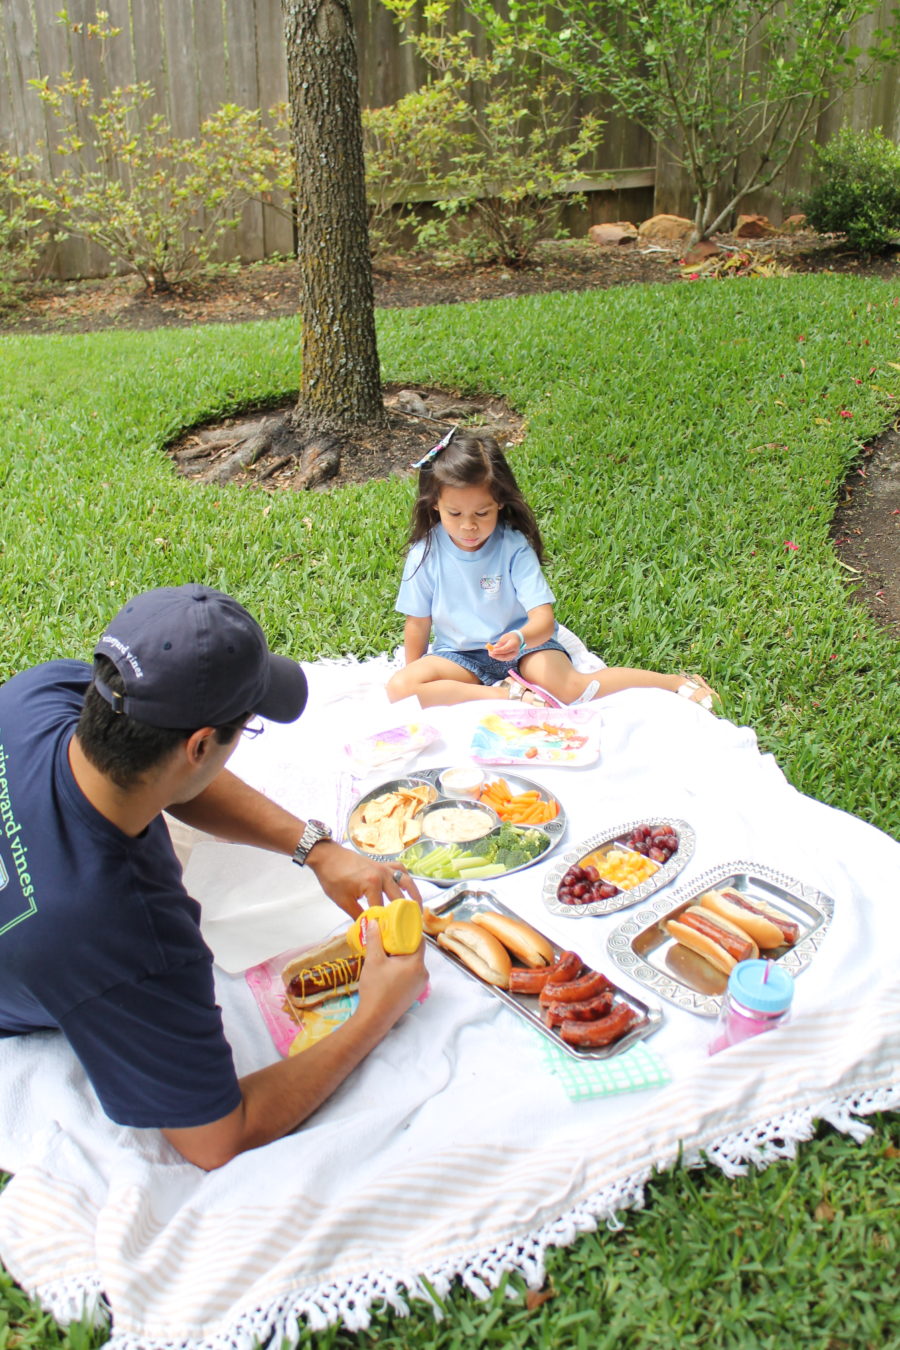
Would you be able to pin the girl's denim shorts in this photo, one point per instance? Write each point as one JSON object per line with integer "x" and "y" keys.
{"x": 480, "y": 663}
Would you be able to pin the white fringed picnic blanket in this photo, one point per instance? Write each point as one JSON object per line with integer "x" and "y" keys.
{"x": 454, "y": 1151}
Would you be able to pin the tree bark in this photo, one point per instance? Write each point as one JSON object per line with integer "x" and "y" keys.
{"x": 340, "y": 386}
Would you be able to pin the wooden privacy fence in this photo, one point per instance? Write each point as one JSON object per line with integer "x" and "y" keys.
{"x": 198, "y": 54}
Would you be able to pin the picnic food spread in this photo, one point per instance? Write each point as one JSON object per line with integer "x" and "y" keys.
{"x": 606, "y": 872}
{"x": 490, "y": 824}
{"x": 323, "y": 972}
{"x": 768, "y": 927}
{"x": 528, "y": 807}
{"x": 675, "y": 946}
{"x": 726, "y": 928}
{"x": 387, "y": 823}
{"x": 456, "y": 824}
{"x": 574, "y": 1004}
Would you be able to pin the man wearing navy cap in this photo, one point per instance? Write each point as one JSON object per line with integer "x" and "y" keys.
{"x": 98, "y": 937}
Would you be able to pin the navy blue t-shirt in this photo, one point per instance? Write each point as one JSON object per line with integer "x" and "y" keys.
{"x": 98, "y": 936}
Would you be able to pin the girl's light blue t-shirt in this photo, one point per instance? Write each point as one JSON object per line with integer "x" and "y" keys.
{"x": 473, "y": 597}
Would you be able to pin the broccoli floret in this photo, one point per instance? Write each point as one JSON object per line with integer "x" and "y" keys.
{"x": 482, "y": 848}
{"x": 533, "y": 842}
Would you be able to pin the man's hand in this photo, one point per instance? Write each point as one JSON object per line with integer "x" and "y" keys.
{"x": 347, "y": 877}
{"x": 278, "y": 1098}
{"x": 390, "y": 984}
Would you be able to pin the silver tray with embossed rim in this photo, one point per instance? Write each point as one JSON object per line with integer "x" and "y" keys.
{"x": 553, "y": 829}
{"x": 642, "y": 948}
{"x": 467, "y": 899}
{"x": 666, "y": 873}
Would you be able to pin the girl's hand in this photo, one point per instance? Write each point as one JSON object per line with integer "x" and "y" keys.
{"x": 507, "y": 648}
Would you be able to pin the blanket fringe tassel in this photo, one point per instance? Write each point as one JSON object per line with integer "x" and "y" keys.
{"x": 352, "y": 1303}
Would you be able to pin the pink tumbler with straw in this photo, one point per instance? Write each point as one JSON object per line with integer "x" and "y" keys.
{"x": 758, "y": 999}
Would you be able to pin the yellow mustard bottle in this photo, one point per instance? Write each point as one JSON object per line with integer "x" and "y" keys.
{"x": 400, "y": 924}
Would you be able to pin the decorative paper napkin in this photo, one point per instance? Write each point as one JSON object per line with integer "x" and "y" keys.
{"x": 583, "y": 1079}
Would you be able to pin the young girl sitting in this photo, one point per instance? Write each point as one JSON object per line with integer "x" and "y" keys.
{"x": 473, "y": 574}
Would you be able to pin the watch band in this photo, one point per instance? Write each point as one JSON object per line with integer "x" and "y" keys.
{"x": 314, "y": 833}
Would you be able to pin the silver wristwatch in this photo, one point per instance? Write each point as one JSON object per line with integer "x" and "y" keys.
{"x": 315, "y": 831}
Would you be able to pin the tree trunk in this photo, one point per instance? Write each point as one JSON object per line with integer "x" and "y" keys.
{"x": 340, "y": 383}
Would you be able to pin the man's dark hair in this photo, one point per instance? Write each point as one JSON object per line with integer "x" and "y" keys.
{"x": 122, "y": 748}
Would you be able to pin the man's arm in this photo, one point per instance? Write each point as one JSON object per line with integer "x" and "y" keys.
{"x": 230, "y": 809}
{"x": 280, "y": 1097}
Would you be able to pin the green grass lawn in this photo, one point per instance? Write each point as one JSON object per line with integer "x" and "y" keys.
{"x": 680, "y": 438}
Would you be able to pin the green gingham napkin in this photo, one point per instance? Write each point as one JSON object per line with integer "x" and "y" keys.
{"x": 582, "y": 1079}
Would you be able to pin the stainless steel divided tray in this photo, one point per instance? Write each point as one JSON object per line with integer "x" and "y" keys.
{"x": 465, "y": 901}
{"x": 553, "y": 829}
{"x": 611, "y": 837}
{"x": 641, "y": 946}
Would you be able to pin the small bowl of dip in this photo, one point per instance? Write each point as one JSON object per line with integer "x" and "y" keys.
{"x": 464, "y": 780}
{"x": 454, "y": 820}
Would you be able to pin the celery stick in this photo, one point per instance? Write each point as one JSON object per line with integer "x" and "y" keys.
{"x": 480, "y": 873}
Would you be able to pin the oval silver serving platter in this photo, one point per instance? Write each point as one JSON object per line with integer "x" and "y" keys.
{"x": 617, "y": 835}
{"x": 643, "y": 949}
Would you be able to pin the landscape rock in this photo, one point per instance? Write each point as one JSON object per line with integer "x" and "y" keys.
{"x": 754, "y": 227}
{"x": 665, "y": 229}
{"x": 703, "y": 249}
{"x": 613, "y": 232}
{"x": 794, "y": 223}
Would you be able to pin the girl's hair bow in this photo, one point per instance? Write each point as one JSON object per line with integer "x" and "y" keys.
{"x": 436, "y": 449}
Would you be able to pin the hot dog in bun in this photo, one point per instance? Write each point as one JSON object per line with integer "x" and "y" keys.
{"x": 767, "y": 927}
{"x": 530, "y": 946}
{"x": 321, "y": 972}
{"x": 721, "y": 942}
{"x": 485, "y": 956}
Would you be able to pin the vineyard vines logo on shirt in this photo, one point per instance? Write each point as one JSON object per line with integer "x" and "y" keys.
{"x": 17, "y": 852}
{"x": 490, "y": 585}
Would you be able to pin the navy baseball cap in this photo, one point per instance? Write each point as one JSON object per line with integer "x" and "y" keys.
{"x": 193, "y": 657}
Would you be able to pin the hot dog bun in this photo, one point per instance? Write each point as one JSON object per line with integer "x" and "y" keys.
{"x": 739, "y": 945}
{"x": 751, "y": 920}
{"x": 434, "y": 923}
{"x": 525, "y": 942}
{"x": 321, "y": 972}
{"x": 478, "y": 949}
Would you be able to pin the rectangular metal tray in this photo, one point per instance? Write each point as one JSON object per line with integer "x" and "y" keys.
{"x": 465, "y": 901}
{"x": 642, "y": 948}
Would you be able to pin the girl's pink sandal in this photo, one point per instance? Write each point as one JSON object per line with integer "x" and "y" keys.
{"x": 517, "y": 687}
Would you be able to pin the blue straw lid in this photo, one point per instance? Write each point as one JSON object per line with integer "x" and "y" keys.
{"x": 761, "y": 985}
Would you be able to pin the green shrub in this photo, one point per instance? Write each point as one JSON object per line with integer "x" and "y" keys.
{"x": 856, "y": 189}
{"x": 156, "y": 203}
{"x": 407, "y": 148}
{"x": 512, "y": 140}
{"x": 22, "y": 237}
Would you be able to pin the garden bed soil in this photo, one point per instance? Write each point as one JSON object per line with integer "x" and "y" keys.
{"x": 866, "y": 527}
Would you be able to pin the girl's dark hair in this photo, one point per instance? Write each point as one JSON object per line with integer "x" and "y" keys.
{"x": 466, "y": 462}
{"x": 122, "y": 748}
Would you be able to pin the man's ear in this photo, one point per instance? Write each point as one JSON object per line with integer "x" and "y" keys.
{"x": 197, "y": 745}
